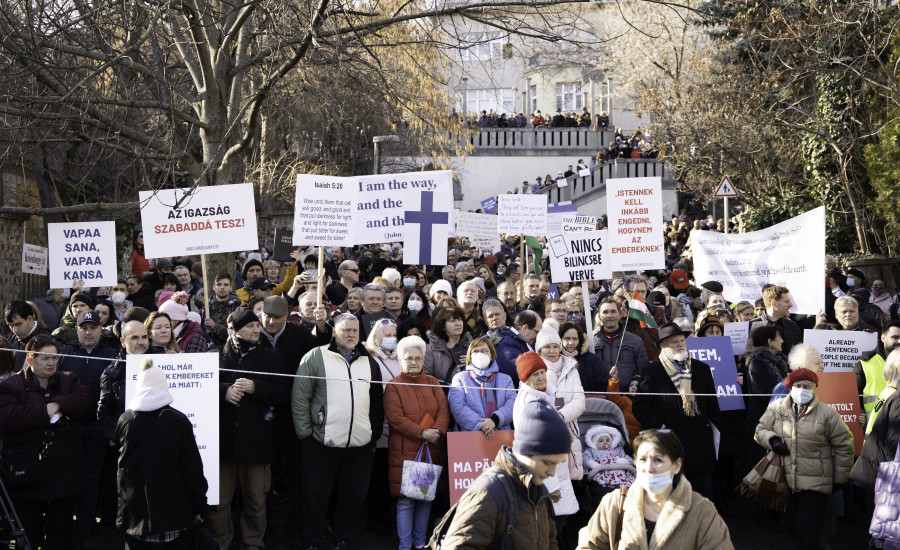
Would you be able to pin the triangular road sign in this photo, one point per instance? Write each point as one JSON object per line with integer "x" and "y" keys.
{"x": 725, "y": 188}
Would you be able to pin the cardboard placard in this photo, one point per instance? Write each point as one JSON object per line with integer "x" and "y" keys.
{"x": 469, "y": 454}
{"x": 427, "y": 223}
{"x": 716, "y": 351}
{"x": 840, "y": 349}
{"x": 83, "y": 251}
{"x": 579, "y": 257}
{"x": 634, "y": 207}
{"x": 523, "y": 214}
{"x": 489, "y": 205}
{"x": 838, "y": 389}
{"x": 480, "y": 228}
{"x": 34, "y": 259}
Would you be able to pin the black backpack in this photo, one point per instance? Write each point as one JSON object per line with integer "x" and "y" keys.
{"x": 500, "y": 487}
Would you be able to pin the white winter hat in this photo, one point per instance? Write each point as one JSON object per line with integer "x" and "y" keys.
{"x": 151, "y": 376}
{"x": 594, "y": 432}
{"x": 549, "y": 334}
{"x": 441, "y": 284}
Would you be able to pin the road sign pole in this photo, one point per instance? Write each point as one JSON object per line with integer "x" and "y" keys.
{"x": 726, "y": 214}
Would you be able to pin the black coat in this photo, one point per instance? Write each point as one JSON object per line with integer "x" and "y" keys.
{"x": 295, "y": 342}
{"x": 152, "y": 499}
{"x": 766, "y": 371}
{"x": 112, "y": 393}
{"x": 880, "y": 445}
{"x": 594, "y": 374}
{"x": 245, "y": 435}
{"x": 144, "y": 297}
{"x": 88, "y": 367}
{"x": 695, "y": 433}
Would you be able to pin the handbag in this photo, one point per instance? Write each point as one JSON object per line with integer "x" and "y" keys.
{"x": 26, "y": 464}
{"x": 766, "y": 484}
{"x": 885, "y": 525}
{"x": 420, "y": 478}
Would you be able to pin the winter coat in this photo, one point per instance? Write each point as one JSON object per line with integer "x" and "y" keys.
{"x": 477, "y": 523}
{"x": 625, "y": 405}
{"x": 50, "y": 311}
{"x": 695, "y": 432}
{"x": 766, "y": 371}
{"x": 593, "y": 371}
{"x": 509, "y": 345}
{"x": 820, "y": 444}
{"x": 567, "y": 503}
{"x": 192, "y": 339}
{"x": 24, "y": 421}
{"x": 404, "y": 408}
{"x": 153, "y": 500}
{"x": 390, "y": 369}
{"x": 144, "y": 297}
{"x": 439, "y": 362}
{"x": 632, "y": 359}
{"x": 468, "y": 408}
{"x": 880, "y": 445}
{"x": 219, "y": 310}
{"x": 245, "y": 435}
{"x": 292, "y": 344}
{"x": 90, "y": 368}
{"x": 686, "y": 522}
{"x": 66, "y": 332}
{"x": 569, "y": 401}
{"x": 15, "y": 343}
{"x": 594, "y": 457}
{"x": 139, "y": 263}
{"x": 112, "y": 393}
{"x": 790, "y": 331}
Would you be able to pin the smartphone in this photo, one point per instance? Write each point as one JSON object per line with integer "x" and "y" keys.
{"x": 313, "y": 274}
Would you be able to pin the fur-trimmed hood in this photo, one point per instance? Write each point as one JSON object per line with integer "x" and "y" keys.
{"x": 594, "y": 432}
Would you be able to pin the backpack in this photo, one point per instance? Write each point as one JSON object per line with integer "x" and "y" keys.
{"x": 500, "y": 487}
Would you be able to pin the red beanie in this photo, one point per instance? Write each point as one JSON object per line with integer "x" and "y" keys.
{"x": 529, "y": 363}
{"x": 801, "y": 374}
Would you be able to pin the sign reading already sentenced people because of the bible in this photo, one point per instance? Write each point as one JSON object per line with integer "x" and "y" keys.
{"x": 579, "y": 257}
{"x": 335, "y": 211}
{"x": 716, "y": 352}
{"x": 83, "y": 251}
{"x": 221, "y": 218}
{"x": 634, "y": 207}
{"x": 840, "y": 349}
{"x": 194, "y": 384}
{"x": 469, "y": 454}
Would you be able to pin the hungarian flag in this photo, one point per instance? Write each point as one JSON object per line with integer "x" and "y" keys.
{"x": 637, "y": 309}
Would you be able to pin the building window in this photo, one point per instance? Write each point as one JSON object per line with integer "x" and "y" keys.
{"x": 568, "y": 97}
{"x": 500, "y": 100}
{"x": 480, "y": 46}
{"x": 532, "y": 98}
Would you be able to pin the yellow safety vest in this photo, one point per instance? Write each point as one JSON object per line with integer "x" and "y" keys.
{"x": 877, "y": 405}
{"x": 874, "y": 370}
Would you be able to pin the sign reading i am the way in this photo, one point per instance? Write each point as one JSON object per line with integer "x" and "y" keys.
{"x": 84, "y": 251}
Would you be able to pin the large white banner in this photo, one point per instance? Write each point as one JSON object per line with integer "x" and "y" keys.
{"x": 789, "y": 254}
{"x": 34, "y": 259}
{"x": 337, "y": 211}
{"x": 840, "y": 349}
{"x": 194, "y": 384}
{"x": 522, "y": 214}
{"x": 480, "y": 228}
{"x": 579, "y": 257}
{"x": 221, "y": 218}
{"x": 634, "y": 208}
{"x": 83, "y": 251}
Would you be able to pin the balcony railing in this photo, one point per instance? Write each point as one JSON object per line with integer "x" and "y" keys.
{"x": 523, "y": 139}
{"x": 618, "y": 168}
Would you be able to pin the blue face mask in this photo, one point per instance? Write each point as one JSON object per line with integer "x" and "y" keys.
{"x": 389, "y": 343}
{"x": 328, "y": 251}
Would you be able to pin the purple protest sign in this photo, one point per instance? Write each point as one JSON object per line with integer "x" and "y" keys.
{"x": 716, "y": 352}
{"x": 489, "y": 205}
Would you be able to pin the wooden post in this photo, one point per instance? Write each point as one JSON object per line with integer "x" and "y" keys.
{"x": 588, "y": 318}
{"x": 321, "y": 286}
{"x": 206, "y": 282}
{"x": 522, "y": 259}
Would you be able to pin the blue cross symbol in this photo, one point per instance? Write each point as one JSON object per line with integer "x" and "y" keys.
{"x": 426, "y": 217}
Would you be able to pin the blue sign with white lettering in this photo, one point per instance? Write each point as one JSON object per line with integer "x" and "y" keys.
{"x": 716, "y": 352}
{"x": 489, "y": 205}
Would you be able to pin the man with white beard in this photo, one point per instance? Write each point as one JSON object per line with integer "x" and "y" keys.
{"x": 689, "y": 415}
{"x": 467, "y": 296}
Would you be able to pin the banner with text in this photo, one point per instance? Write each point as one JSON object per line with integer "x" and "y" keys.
{"x": 522, "y": 214}
{"x": 634, "y": 208}
{"x": 568, "y": 222}
{"x": 480, "y": 228}
{"x": 789, "y": 254}
{"x": 716, "y": 352}
{"x": 489, "y": 205}
{"x": 34, "y": 259}
{"x": 427, "y": 223}
{"x": 469, "y": 454}
{"x": 739, "y": 333}
{"x": 840, "y": 349}
{"x": 194, "y": 384}
{"x": 838, "y": 390}
{"x": 83, "y": 251}
{"x": 337, "y": 211}
{"x": 579, "y": 257}
{"x": 221, "y": 218}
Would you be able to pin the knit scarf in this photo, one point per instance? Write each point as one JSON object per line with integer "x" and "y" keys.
{"x": 680, "y": 374}
{"x": 487, "y": 397}
{"x": 242, "y": 347}
{"x": 553, "y": 371}
{"x": 572, "y": 354}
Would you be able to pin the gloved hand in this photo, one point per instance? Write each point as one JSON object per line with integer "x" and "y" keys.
{"x": 778, "y": 446}
{"x": 835, "y": 487}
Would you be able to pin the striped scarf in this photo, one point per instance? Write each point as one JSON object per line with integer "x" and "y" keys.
{"x": 680, "y": 374}
{"x": 487, "y": 397}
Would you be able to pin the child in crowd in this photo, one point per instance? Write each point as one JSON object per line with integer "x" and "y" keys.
{"x": 604, "y": 447}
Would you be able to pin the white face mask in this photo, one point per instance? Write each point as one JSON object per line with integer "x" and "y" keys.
{"x": 118, "y": 298}
{"x": 851, "y": 281}
{"x": 481, "y": 360}
{"x": 66, "y": 292}
{"x": 801, "y": 395}
{"x": 654, "y": 483}
{"x": 409, "y": 282}
{"x": 414, "y": 306}
{"x": 389, "y": 343}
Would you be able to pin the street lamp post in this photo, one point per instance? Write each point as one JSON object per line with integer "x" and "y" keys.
{"x": 376, "y": 141}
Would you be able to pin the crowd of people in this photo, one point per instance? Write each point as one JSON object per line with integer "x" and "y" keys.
{"x": 323, "y": 405}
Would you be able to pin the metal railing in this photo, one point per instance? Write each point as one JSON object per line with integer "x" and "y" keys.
{"x": 618, "y": 168}
{"x": 521, "y": 139}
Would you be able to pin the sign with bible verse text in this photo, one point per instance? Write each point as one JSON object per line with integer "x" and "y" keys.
{"x": 338, "y": 211}
{"x": 82, "y": 251}
{"x": 480, "y": 228}
{"x": 522, "y": 214}
{"x": 840, "y": 349}
{"x": 469, "y": 454}
{"x": 220, "y": 218}
{"x": 634, "y": 208}
{"x": 579, "y": 257}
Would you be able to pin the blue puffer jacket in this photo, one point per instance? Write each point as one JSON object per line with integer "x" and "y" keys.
{"x": 466, "y": 404}
{"x": 509, "y": 346}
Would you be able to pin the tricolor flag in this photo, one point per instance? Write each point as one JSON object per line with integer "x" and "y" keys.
{"x": 637, "y": 309}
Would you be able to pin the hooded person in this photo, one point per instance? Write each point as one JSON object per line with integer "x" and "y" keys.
{"x": 78, "y": 302}
{"x": 157, "y": 503}
{"x": 188, "y": 334}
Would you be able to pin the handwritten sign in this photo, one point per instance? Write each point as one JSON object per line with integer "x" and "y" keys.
{"x": 194, "y": 384}
{"x": 522, "y": 214}
{"x": 739, "y": 333}
{"x": 480, "y": 228}
{"x": 634, "y": 207}
{"x": 220, "y": 218}
{"x": 716, "y": 352}
{"x": 469, "y": 454}
{"x": 82, "y": 251}
{"x": 579, "y": 257}
{"x": 840, "y": 349}
{"x": 838, "y": 390}
{"x": 34, "y": 259}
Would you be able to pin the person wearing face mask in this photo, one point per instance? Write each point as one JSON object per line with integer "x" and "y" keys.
{"x": 816, "y": 449}
{"x": 415, "y": 305}
{"x": 482, "y": 397}
{"x": 119, "y": 304}
{"x": 661, "y": 509}
{"x": 410, "y": 280}
{"x": 881, "y": 297}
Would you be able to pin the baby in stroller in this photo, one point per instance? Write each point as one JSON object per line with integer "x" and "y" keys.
{"x": 604, "y": 454}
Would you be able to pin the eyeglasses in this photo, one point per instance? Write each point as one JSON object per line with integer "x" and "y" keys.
{"x": 353, "y": 270}
{"x": 414, "y": 360}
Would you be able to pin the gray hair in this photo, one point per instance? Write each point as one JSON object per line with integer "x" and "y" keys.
{"x": 800, "y": 354}
{"x": 631, "y": 280}
{"x": 410, "y": 342}
{"x": 345, "y": 317}
{"x": 372, "y": 287}
{"x": 491, "y": 302}
{"x": 391, "y": 274}
{"x": 846, "y": 301}
{"x": 684, "y": 324}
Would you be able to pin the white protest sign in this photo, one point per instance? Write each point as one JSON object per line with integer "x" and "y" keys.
{"x": 579, "y": 257}
{"x": 840, "y": 349}
{"x": 788, "y": 254}
{"x": 739, "y": 333}
{"x": 221, "y": 218}
{"x": 34, "y": 259}
{"x": 194, "y": 384}
{"x": 82, "y": 251}
{"x": 522, "y": 214}
{"x": 585, "y": 173}
{"x": 336, "y": 211}
{"x": 426, "y": 227}
{"x": 569, "y": 222}
{"x": 480, "y": 228}
{"x": 634, "y": 208}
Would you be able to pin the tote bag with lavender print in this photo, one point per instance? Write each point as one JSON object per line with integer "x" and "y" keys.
{"x": 420, "y": 478}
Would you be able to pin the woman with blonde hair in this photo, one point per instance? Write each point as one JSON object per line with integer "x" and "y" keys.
{"x": 159, "y": 329}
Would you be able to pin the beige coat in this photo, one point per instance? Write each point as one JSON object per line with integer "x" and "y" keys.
{"x": 687, "y": 522}
{"x": 811, "y": 466}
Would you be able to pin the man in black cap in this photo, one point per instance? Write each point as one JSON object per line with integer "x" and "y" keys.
{"x": 79, "y": 302}
{"x": 683, "y": 412}
{"x": 253, "y": 270}
{"x": 708, "y": 289}
{"x": 261, "y": 288}
{"x": 157, "y": 278}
